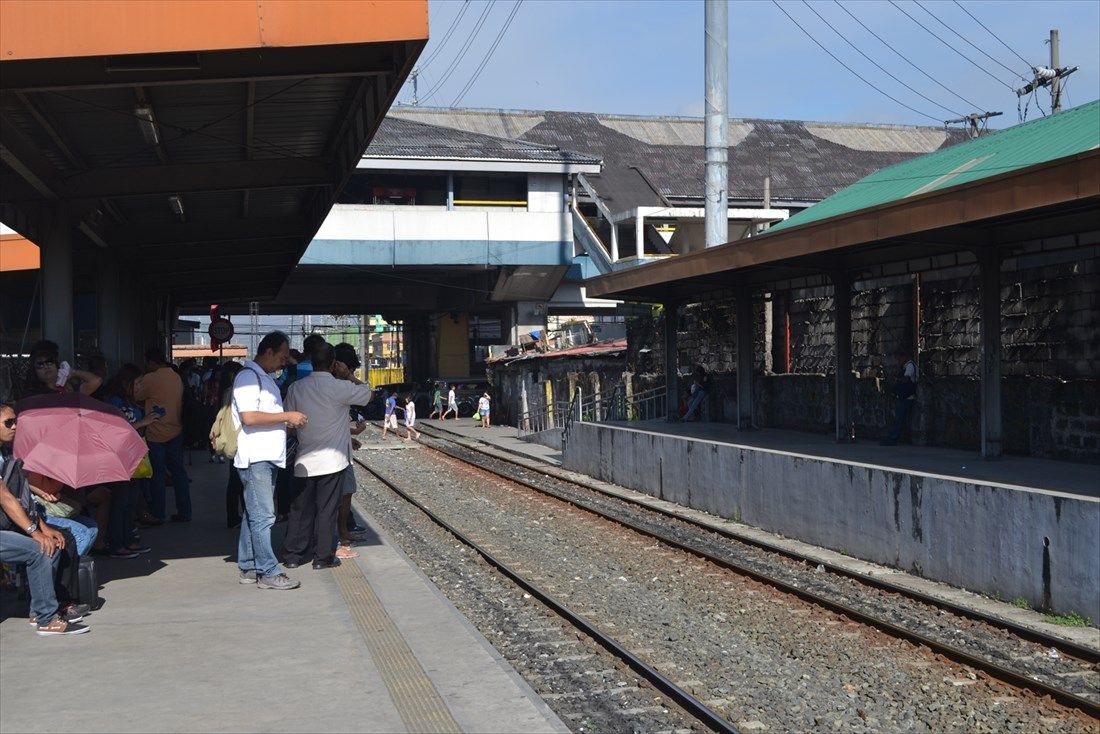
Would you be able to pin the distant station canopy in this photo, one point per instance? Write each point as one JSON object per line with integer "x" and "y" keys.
{"x": 201, "y": 143}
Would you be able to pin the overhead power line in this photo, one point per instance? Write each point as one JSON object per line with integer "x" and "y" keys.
{"x": 489, "y": 55}
{"x": 446, "y": 36}
{"x": 877, "y": 65}
{"x": 904, "y": 58}
{"x": 466, "y": 46}
{"x": 983, "y": 25}
{"x": 978, "y": 48}
{"x": 945, "y": 43}
{"x": 850, "y": 69}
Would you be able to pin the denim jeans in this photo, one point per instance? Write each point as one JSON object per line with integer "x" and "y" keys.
{"x": 901, "y": 419}
{"x": 20, "y": 549}
{"x": 254, "y": 551}
{"x": 84, "y": 529}
{"x": 695, "y": 403}
{"x": 168, "y": 456}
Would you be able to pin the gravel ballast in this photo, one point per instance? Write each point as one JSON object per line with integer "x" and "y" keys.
{"x": 766, "y": 660}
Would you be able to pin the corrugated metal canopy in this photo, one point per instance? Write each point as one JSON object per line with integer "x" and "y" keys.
{"x": 255, "y": 142}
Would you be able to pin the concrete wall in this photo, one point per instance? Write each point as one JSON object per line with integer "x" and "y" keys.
{"x": 1040, "y": 546}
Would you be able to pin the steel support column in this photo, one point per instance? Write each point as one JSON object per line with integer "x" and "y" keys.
{"x": 990, "y": 265}
{"x": 672, "y": 366}
{"x": 744, "y": 360}
{"x": 842, "y": 300}
{"x": 57, "y": 283}
{"x": 716, "y": 131}
{"x": 418, "y": 350}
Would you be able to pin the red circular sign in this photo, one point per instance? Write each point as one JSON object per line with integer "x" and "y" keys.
{"x": 221, "y": 330}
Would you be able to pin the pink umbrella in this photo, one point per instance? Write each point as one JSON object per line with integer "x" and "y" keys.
{"x": 76, "y": 440}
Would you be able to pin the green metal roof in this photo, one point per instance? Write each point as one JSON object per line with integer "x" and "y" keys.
{"x": 1045, "y": 139}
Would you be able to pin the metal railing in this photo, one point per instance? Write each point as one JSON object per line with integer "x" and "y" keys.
{"x": 612, "y": 405}
{"x": 543, "y": 418}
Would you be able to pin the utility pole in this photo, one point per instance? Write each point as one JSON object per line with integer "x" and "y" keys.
{"x": 415, "y": 78}
{"x": 1049, "y": 76}
{"x": 1056, "y": 85}
{"x": 972, "y": 121}
{"x": 716, "y": 133}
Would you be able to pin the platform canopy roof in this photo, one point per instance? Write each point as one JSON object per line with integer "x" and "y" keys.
{"x": 202, "y": 143}
{"x": 1032, "y": 187}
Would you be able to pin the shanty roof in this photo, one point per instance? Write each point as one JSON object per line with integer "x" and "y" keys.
{"x": 401, "y": 138}
{"x": 1045, "y": 139}
{"x": 649, "y": 161}
{"x": 601, "y": 349}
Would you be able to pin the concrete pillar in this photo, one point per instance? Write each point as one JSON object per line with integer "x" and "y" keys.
{"x": 109, "y": 314}
{"x": 990, "y": 264}
{"x": 639, "y": 236}
{"x": 842, "y": 301}
{"x": 614, "y": 241}
{"x": 450, "y": 191}
{"x": 57, "y": 283}
{"x": 418, "y": 350}
{"x": 744, "y": 361}
{"x": 672, "y": 366}
{"x": 128, "y": 305}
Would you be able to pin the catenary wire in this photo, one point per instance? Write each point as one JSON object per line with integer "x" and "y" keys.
{"x": 960, "y": 53}
{"x": 983, "y": 25}
{"x": 850, "y": 69}
{"x": 489, "y": 55}
{"x": 877, "y": 65}
{"x": 447, "y": 36}
{"x": 906, "y": 59}
{"x": 466, "y": 46}
{"x": 978, "y": 48}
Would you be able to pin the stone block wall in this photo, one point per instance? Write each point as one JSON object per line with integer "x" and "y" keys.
{"x": 1050, "y": 340}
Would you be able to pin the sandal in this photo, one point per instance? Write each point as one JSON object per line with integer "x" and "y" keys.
{"x": 344, "y": 551}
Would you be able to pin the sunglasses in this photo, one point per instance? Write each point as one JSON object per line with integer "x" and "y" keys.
{"x": 43, "y": 363}
{"x": 9, "y": 423}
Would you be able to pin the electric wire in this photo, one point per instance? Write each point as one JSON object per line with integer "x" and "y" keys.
{"x": 489, "y": 55}
{"x": 877, "y": 65}
{"x": 850, "y": 69}
{"x": 945, "y": 43}
{"x": 906, "y": 59}
{"x": 983, "y": 25}
{"x": 978, "y": 48}
{"x": 446, "y": 37}
{"x": 466, "y": 46}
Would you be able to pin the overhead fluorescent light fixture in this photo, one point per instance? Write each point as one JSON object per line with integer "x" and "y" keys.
{"x": 148, "y": 125}
{"x": 175, "y": 203}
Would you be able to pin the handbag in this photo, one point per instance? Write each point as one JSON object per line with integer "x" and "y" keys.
{"x": 144, "y": 468}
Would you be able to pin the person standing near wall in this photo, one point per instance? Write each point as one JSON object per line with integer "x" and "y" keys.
{"x": 905, "y": 393}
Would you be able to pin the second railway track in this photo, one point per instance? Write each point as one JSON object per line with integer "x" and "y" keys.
{"x": 1032, "y": 663}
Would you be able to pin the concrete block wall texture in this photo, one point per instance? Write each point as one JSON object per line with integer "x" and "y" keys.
{"x": 993, "y": 539}
{"x": 1051, "y": 359}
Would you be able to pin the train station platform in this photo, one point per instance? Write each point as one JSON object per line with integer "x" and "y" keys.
{"x": 179, "y": 645}
{"x": 1015, "y": 528}
{"x": 500, "y": 437}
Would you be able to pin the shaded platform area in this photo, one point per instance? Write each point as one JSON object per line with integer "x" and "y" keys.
{"x": 1013, "y": 528}
{"x": 179, "y": 645}
{"x": 1010, "y": 471}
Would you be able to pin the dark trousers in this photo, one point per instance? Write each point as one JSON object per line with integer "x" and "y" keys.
{"x": 234, "y": 498}
{"x": 313, "y": 518}
{"x": 168, "y": 457}
{"x": 123, "y": 499}
{"x": 67, "y": 579}
{"x": 901, "y": 419}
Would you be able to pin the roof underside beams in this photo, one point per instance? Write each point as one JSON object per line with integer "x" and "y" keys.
{"x": 255, "y": 143}
{"x": 1048, "y": 207}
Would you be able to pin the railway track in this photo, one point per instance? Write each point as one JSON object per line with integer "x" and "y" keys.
{"x": 1078, "y": 690}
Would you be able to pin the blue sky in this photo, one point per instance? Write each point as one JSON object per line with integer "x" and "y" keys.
{"x": 645, "y": 57}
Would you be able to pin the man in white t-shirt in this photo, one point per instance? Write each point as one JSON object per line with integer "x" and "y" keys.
{"x": 324, "y": 445}
{"x": 261, "y": 451}
{"x": 905, "y": 390}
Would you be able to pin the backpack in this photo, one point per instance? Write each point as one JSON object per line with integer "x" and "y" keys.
{"x": 225, "y": 432}
{"x": 18, "y": 485}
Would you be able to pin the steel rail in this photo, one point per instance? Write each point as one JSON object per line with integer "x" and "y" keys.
{"x": 995, "y": 670}
{"x": 1069, "y": 647}
{"x": 708, "y": 716}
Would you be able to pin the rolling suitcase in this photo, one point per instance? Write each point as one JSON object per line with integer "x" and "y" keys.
{"x": 88, "y": 583}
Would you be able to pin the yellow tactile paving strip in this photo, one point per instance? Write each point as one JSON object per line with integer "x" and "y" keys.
{"x": 417, "y": 701}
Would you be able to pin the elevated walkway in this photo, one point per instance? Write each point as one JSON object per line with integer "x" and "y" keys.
{"x": 180, "y": 646}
